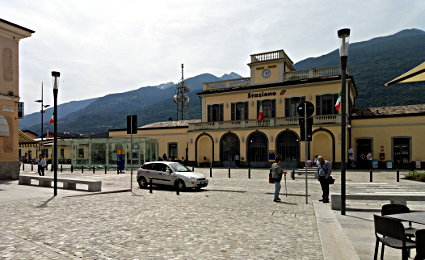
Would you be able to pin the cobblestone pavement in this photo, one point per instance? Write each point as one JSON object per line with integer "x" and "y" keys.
{"x": 232, "y": 218}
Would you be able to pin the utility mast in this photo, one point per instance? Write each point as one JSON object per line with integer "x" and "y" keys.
{"x": 181, "y": 98}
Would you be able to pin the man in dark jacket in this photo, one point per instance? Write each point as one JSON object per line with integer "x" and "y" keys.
{"x": 324, "y": 171}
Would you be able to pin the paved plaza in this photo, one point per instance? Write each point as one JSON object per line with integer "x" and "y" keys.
{"x": 233, "y": 218}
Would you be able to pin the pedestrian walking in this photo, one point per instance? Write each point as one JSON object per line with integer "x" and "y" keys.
{"x": 277, "y": 172}
{"x": 324, "y": 171}
{"x": 41, "y": 164}
{"x": 369, "y": 159}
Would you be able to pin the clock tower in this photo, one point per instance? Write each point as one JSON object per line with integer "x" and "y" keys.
{"x": 268, "y": 67}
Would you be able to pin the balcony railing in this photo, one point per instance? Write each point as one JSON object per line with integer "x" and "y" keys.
{"x": 226, "y": 84}
{"x": 266, "y": 56}
{"x": 312, "y": 73}
{"x": 255, "y": 123}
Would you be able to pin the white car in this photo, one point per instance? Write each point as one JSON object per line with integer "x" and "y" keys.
{"x": 170, "y": 174}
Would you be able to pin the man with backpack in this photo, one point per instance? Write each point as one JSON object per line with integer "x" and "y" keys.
{"x": 277, "y": 171}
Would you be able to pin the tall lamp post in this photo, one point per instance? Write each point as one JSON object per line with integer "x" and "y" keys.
{"x": 344, "y": 35}
{"x": 42, "y": 113}
{"x": 55, "y": 76}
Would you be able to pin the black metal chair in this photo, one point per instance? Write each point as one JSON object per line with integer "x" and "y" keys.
{"x": 389, "y": 209}
{"x": 390, "y": 232}
{"x": 420, "y": 244}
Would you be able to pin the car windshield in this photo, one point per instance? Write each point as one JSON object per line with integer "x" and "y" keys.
{"x": 178, "y": 167}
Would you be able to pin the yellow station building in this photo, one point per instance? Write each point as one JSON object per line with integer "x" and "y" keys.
{"x": 10, "y": 34}
{"x": 231, "y": 132}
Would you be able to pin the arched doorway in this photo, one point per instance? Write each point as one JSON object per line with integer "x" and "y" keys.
{"x": 257, "y": 150}
{"x": 323, "y": 144}
{"x": 229, "y": 147}
{"x": 204, "y": 150}
{"x": 287, "y": 146}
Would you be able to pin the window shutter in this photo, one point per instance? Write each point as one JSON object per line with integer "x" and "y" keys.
{"x": 287, "y": 107}
{"x": 246, "y": 111}
{"x": 209, "y": 113}
{"x": 273, "y": 108}
{"x": 233, "y": 111}
{"x": 221, "y": 112}
{"x": 318, "y": 105}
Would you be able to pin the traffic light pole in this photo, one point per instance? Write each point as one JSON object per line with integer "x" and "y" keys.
{"x": 306, "y": 152}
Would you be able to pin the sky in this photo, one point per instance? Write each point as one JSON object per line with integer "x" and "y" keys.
{"x": 102, "y": 47}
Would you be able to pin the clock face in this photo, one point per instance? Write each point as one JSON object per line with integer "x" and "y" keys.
{"x": 266, "y": 73}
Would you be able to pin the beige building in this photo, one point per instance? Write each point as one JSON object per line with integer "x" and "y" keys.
{"x": 232, "y": 132}
{"x": 10, "y": 34}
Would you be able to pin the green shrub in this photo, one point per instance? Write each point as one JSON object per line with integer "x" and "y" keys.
{"x": 416, "y": 176}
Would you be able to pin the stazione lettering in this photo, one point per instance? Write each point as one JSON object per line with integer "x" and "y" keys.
{"x": 265, "y": 94}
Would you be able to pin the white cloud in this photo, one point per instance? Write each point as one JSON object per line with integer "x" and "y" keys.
{"x": 102, "y": 47}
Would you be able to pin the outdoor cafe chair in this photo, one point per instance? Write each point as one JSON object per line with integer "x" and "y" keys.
{"x": 420, "y": 245}
{"x": 390, "y": 232}
{"x": 389, "y": 209}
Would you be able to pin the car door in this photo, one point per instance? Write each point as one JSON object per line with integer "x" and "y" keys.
{"x": 159, "y": 176}
{"x": 147, "y": 171}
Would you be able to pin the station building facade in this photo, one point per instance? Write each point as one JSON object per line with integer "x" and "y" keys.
{"x": 232, "y": 131}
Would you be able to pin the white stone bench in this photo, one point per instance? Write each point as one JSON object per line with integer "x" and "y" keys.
{"x": 70, "y": 184}
{"x": 394, "y": 198}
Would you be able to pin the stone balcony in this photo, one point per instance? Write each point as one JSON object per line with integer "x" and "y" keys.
{"x": 255, "y": 123}
{"x": 324, "y": 72}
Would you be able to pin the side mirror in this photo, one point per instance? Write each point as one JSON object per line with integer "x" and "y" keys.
{"x": 168, "y": 170}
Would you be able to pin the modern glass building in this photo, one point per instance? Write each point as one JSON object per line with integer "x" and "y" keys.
{"x": 100, "y": 152}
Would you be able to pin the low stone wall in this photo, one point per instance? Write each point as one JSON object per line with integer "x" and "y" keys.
{"x": 9, "y": 170}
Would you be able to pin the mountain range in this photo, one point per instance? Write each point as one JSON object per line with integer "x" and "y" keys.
{"x": 372, "y": 63}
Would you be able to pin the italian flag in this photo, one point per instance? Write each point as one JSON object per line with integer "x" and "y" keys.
{"x": 338, "y": 101}
{"x": 260, "y": 112}
{"x": 52, "y": 119}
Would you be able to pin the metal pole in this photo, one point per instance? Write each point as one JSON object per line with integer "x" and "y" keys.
{"x": 229, "y": 172}
{"x": 72, "y": 168}
{"x": 210, "y": 172}
{"x": 249, "y": 173}
{"x": 398, "y": 175}
{"x": 131, "y": 153}
{"x": 150, "y": 185}
{"x": 370, "y": 176}
{"x": 306, "y": 152}
{"x": 55, "y": 143}
{"x": 93, "y": 169}
{"x": 343, "y": 132}
{"x": 42, "y": 112}
{"x": 105, "y": 169}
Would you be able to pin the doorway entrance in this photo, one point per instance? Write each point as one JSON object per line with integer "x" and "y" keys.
{"x": 257, "y": 150}
{"x": 364, "y": 146}
{"x": 229, "y": 148}
{"x": 287, "y": 146}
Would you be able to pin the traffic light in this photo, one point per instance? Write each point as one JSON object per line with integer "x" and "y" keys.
{"x": 131, "y": 124}
{"x": 309, "y": 128}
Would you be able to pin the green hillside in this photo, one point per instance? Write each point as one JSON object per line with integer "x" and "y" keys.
{"x": 374, "y": 62}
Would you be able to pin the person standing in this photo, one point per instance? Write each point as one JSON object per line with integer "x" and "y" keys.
{"x": 41, "y": 163}
{"x": 369, "y": 159}
{"x": 324, "y": 171}
{"x": 277, "y": 171}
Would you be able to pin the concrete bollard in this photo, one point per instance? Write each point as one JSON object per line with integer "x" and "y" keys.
{"x": 150, "y": 185}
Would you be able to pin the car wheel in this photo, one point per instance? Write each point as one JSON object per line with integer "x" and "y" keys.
{"x": 143, "y": 184}
{"x": 180, "y": 185}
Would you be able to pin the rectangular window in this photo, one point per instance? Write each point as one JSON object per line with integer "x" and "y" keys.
{"x": 239, "y": 111}
{"x": 325, "y": 104}
{"x": 269, "y": 108}
{"x": 291, "y": 106}
{"x": 172, "y": 150}
{"x": 81, "y": 153}
{"x": 215, "y": 112}
{"x": 401, "y": 151}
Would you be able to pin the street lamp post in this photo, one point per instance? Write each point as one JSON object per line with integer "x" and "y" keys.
{"x": 42, "y": 112}
{"x": 344, "y": 35}
{"x": 55, "y": 76}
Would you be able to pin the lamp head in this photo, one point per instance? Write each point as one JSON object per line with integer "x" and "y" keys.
{"x": 55, "y": 75}
{"x": 344, "y": 35}
{"x": 39, "y": 101}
